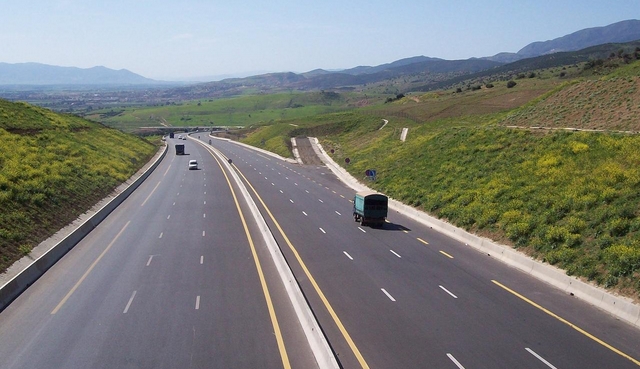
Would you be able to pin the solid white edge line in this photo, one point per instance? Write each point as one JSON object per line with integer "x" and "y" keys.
{"x": 447, "y": 291}
{"x": 388, "y": 295}
{"x": 129, "y": 303}
{"x": 540, "y": 358}
{"x": 455, "y": 361}
{"x": 349, "y": 256}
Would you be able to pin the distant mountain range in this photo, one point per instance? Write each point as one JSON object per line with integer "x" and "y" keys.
{"x": 619, "y": 32}
{"x": 43, "y": 74}
{"x": 33, "y": 74}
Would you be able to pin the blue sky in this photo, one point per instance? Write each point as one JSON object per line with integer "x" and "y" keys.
{"x": 196, "y": 38}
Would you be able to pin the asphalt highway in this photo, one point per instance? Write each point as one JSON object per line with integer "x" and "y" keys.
{"x": 178, "y": 277}
{"x": 405, "y": 296}
{"x": 169, "y": 280}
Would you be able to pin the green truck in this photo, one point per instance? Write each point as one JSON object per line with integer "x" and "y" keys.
{"x": 370, "y": 208}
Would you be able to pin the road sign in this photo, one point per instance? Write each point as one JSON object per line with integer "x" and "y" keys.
{"x": 371, "y": 174}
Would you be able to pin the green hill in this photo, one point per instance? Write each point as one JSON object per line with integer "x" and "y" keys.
{"x": 571, "y": 198}
{"x": 52, "y": 169}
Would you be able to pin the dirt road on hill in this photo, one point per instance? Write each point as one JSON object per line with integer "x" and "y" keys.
{"x": 305, "y": 150}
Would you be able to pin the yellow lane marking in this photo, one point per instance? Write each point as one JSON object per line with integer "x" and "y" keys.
{"x": 445, "y": 254}
{"x": 423, "y": 241}
{"x": 585, "y": 333}
{"x": 263, "y": 282}
{"x": 312, "y": 280}
{"x": 152, "y": 191}
{"x": 95, "y": 262}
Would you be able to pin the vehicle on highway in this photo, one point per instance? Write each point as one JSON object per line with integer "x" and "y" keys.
{"x": 370, "y": 208}
{"x": 179, "y": 149}
{"x": 193, "y": 164}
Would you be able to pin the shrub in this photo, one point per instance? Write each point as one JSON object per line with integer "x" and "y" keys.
{"x": 518, "y": 230}
{"x": 618, "y": 227}
{"x": 557, "y": 235}
{"x": 24, "y": 249}
{"x": 622, "y": 260}
{"x": 562, "y": 255}
{"x": 511, "y": 84}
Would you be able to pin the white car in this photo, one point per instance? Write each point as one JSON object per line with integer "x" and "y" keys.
{"x": 193, "y": 164}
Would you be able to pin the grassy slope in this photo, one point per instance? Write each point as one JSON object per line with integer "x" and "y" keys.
{"x": 52, "y": 169}
{"x": 569, "y": 198}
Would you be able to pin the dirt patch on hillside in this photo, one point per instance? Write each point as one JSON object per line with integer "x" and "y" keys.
{"x": 487, "y": 101}
{"x": 612, "y": 105}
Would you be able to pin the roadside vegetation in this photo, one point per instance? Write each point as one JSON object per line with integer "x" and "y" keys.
{"x": 53, "y": 168}
{"x": 565, "y": 196}
{"x": 568, "y": 198}
{"x": 240, "y": 111}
